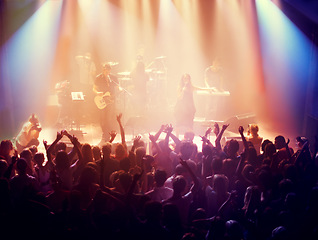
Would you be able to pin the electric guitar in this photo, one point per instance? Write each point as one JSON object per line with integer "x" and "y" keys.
{"x": 103, "y": 101}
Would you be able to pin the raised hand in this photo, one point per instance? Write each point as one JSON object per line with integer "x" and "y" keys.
{"x": 168, "y": 128}
{"x": 152, "y": 138}
{"x": 113, "y": 134}
{"x": 45, "y": 144}
{"x": 216, "y": 129}
{"x": 136, "y": 140}
{"x": 208, "y": 131}
{"x": 204, "y": 139}
{"x": 225, "y": 126}
{"x": 241, "y": 130}
{"x": 74, "y": 140}
{"x": 119, "y": 117}
{"x": 59, "y": 136}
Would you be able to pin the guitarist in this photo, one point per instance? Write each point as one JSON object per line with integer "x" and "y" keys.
{"x": 105, "y": 87}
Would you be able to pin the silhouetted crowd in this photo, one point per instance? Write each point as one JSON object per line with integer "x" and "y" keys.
{"x": 161, "y": 188}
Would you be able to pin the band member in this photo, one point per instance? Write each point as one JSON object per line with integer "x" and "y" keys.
{"x": 29, "y": 134}
{"x": 185, "y": 108}
{"x": 213, "y": 78}
{"x": 105, "y": 87}
{"x": 86, "y": 77}
{"x": 87, "y": 71}
{"x": 139, "y": 79}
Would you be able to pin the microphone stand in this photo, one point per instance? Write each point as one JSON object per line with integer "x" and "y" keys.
{"x": 121, "y": 89}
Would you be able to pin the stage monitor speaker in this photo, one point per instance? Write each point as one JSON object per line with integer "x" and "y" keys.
{"x": 240, "y": 120}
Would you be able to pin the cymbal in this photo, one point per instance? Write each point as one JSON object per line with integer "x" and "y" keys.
{"x": 112, "y": 63}
{"x": 161, "y": 57}
{"x": 124, "y": 73}
{"x": 124, "y": 79}
{"x": 158, "y": 72}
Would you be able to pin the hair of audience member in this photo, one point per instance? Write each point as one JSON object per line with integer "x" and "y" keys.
{"x": 207, "y": 150}
{"x": 264, "y": 143}
{"x": 254, "y": 129}
{"x": 233, "y": 230}
{"x": 26, "y": 154}
{"x": 87, "y": 152}
{"x": 114, "y": 177}
{"x": 60, "y": 146}
{"x": 248, "y": 171}
{"x": 88, "y": 175}
{"x": 62, "y": 160}
{"x": 120, "y": 151}
{"x": 189, "y": 136}
{"x": 125, "y": 180}
{"x": 216, "y": 165}
{"x": 140, "y": 153}
{"x": 187, "y": 149}
{"x": 179, "y": 184}
{"x": 232, "y": 147}
{"x": 228, "y": 167}
{"x": 270, "y": 149}
{"x": 6, "y": 146}
{"x": 252, "y": 156}
{"x": 160, "y": 177}
{"x": 21, "y": 166}
{"x": 3, "y": 167}
{"x": 107, "y": 149}
{"x": 179, "y": 170}
{"x": 124, "y": 164}
{"x": 280, "y": 142}
{"x": 39, "y": 158}
{"x": 220, "y": 183}
{"x": 97, "y": 152}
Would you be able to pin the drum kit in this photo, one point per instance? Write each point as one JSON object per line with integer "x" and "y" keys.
{"x": 152, "y": 69}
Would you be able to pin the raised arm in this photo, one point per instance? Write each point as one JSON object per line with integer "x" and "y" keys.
{"x": 241, "y": 131}
{"x": 113, "y": 135}
{"x": 157, "y": 135}
{"x": 135, "y": 143}
{"x": 219, "y": 137}
{"x": 154, "y": 143}
{"x": 122, "y": 131}
{"x": 193, "y": 176}
{"x": 288, "y": 150}
{"x": 49, "y": 149}
{"x": 205, "y": 140}
{"x": 175, "y": 139}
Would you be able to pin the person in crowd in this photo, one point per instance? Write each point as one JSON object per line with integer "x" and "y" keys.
{"x": 160, "y": 192}
{"x": 254, "y": 138}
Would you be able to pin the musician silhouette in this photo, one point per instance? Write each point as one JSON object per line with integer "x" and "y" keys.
{"x": 105, "y": 87}
{"x": 139, "y": 79}
{"x": 213, "y": 78}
